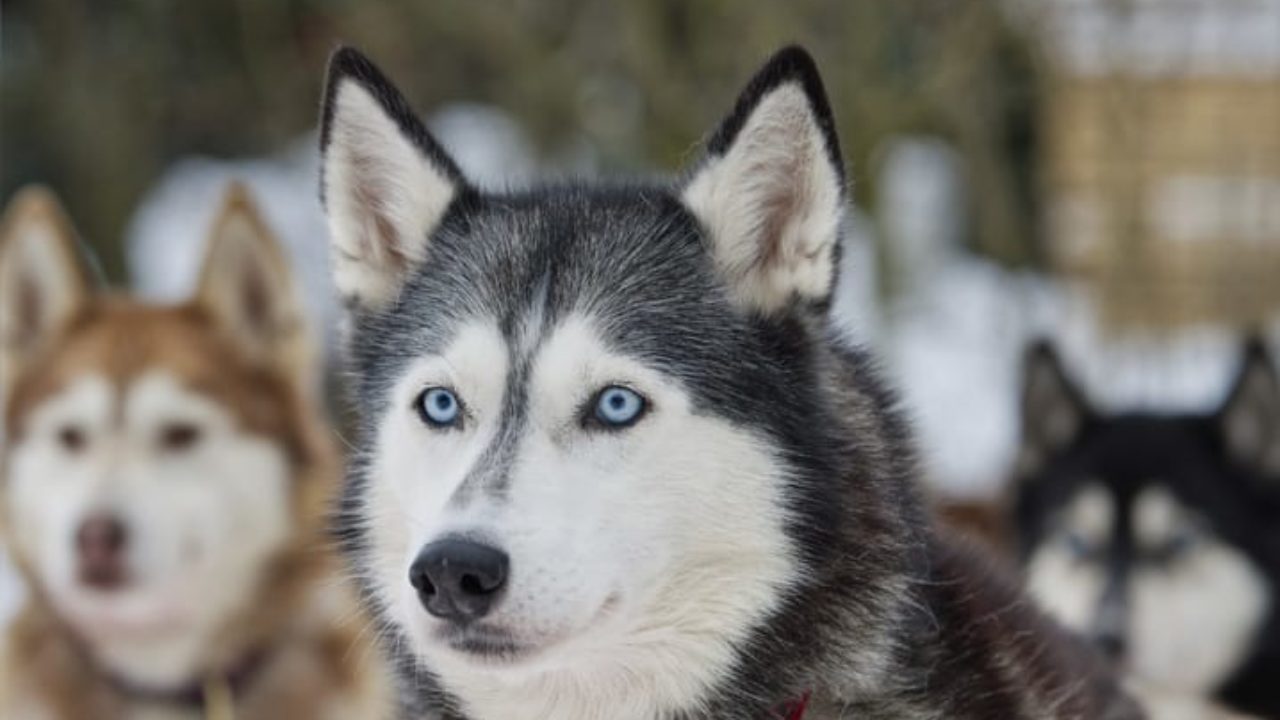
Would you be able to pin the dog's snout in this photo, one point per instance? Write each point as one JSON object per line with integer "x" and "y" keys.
{"x": 458, "y": 579}
{"x": 100, "y": 545}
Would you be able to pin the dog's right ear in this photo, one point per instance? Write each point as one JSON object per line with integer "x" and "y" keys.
{"x": 44, "y": 280}
{"x": 386, "y": 183}
{"x": 1053, "y": 409}
{"x": 247, "y": 288}
{"x": 1249, "y": 420}
{"x": 770, "y": 189}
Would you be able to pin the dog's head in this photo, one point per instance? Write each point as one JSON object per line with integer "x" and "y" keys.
{"x": 1147, "y": 532}
{"x": 151, "y": 465}
{"x": 586, "y": 409}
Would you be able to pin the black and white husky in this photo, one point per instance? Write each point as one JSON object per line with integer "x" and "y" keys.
{"x": 613, "y": 463}
{"x": 1159, "y": 535}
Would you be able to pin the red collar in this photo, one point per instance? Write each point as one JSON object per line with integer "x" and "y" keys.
{"x": 795, "y": 709}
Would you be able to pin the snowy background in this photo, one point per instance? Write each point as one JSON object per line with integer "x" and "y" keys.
{"x": 925, "y": 282}
{"x": 950, "y": 341}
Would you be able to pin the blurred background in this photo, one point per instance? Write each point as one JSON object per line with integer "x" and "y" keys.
{"x": 1104, "y": 172}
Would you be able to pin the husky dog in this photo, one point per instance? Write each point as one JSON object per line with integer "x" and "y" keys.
{"x": 613, "y": 462}
{"x": 165, "y": 487}
{"x": 1159, "y": 535}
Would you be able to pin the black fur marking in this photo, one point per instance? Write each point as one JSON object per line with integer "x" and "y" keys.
{"x": 790, "y": 64}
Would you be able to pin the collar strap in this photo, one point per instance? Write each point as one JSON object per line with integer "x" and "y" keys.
{"x": 215, "y": 693}
{"x": 795, "y": 709}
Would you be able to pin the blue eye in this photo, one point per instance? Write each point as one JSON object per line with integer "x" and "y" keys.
{"x": 439, "y": 407}
{"x": 618, "y": 407}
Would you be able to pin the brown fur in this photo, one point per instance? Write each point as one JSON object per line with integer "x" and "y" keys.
{"x": 316, "y": 660}
{"x": 985, "y": 521}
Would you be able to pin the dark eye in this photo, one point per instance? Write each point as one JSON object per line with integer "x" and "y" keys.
{"x": 439, "y": 407}
{"x": 1178, "y": 544}
{"x": 179, "y": 436}
{"x": 72, "y": 438}
{"x": 1080, "y": 547}
{"x": 618, "y": 407}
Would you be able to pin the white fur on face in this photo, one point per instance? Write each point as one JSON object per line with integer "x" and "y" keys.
{"x": 201, "y": 521}
{"x": 1066, "y": 587}
{"x": 1191, "y": 623}
{"x": 383, "y": 197}
{"x": 638, "y": 557}
{"x": 773, "y": 204}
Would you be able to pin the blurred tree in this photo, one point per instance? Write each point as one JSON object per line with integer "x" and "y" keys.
{"x": 98, "y": 97}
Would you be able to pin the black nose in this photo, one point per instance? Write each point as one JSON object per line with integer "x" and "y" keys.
{"x": 457, "y": 579}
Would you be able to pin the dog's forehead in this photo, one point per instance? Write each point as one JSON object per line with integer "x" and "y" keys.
{"x": 598, "y": 250}
{"x": 632, "y": 259}
{"x": 125, "y": 344}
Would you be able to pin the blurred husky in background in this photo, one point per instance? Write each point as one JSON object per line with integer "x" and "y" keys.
{"x": 1158, "y": 536}
{"x": 164, "y": 487}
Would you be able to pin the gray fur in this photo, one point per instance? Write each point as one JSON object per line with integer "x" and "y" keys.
{"x": 887, "y": 619}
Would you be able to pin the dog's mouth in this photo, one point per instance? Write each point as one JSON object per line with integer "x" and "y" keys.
{"x": 105, "y": 580}
{"x": 496, "y": 644}
{"x": 130, "y": 608}
{"x": 490, "y": 644}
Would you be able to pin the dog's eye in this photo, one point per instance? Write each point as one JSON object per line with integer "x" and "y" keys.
{"x": 179, "y": 436}
{"x": 1079, "y": 546}
{"x": 72, "y": 438}
{"x": 1176, "y": 546}
{"x": 618, "y": 407}
{"x": 439, "y": 407}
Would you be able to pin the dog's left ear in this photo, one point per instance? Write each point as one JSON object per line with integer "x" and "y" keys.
{"x": 1250, "y": 419}
{"x": 770, "y": 191}
{"x": 247, "y": 287}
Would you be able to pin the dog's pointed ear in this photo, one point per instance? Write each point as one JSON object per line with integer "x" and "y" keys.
{"x": 1054, "y": 411}
{"x": 44, "y": 279}
{"x": 770, "y": 190}
{"x": 1250, "y": 418}
{"x": 386, "y": 183}
{"x": 247, "y": 288}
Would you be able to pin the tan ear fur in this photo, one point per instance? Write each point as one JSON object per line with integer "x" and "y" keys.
{"x": 247, "y": 286}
